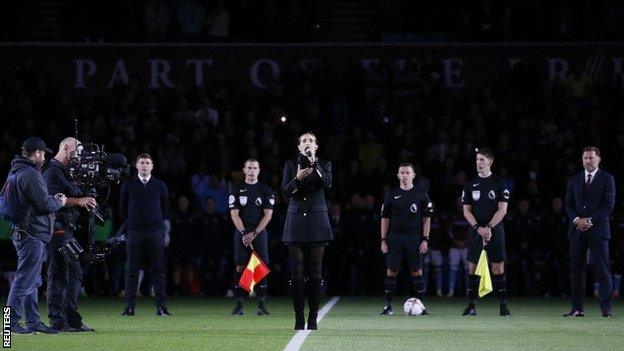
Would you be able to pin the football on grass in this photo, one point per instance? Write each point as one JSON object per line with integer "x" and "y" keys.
{"x": 413, "y": 307}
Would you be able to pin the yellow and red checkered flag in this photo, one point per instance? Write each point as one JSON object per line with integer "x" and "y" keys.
{"x": 256, "y": 270}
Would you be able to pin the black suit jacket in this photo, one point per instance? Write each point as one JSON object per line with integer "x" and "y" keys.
{"x": 306, "y": 218}
{"x": 597, "y": 204}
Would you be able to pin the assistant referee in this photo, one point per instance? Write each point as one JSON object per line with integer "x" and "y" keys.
{"x": 485, "y": 199}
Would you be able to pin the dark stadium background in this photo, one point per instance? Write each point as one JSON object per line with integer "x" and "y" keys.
{"x": 379, "y": 83}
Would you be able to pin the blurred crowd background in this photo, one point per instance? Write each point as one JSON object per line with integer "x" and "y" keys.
{"x": 200, "y": 136}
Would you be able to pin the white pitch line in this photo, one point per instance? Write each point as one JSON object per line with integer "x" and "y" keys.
{"x": 297, "y": 341}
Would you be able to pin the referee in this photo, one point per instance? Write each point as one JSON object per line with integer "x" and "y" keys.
{"x": 251, "y": 208}
{"x": 405, "y": 227}
{"x": 485, "y": 199}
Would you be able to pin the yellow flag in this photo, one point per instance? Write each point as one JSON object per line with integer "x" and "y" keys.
{"x": 483, "y": 270}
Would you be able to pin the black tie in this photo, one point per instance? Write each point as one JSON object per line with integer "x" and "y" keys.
{"x": 586, "y": 189}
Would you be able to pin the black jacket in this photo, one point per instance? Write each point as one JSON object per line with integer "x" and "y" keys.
{"x": 306, "y": 219}
{"x": 33, "y": 195}
{"x": 56, "y": 176}
{"x": 598, "y": 204}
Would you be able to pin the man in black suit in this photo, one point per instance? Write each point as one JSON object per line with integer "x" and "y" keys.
{"x": 590, "y": 198}
{"x": 144, "y": 205}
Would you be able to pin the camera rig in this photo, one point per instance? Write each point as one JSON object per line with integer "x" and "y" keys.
{"x": 90, "y": 169}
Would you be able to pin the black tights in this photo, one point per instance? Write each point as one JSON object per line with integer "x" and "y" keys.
{"x": 315, "y": 260}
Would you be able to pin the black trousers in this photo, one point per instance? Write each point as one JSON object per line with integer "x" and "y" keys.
{"x": 599, "y": 257}
{"x": 152, "y": 244}
{"x": 64, "y": 283}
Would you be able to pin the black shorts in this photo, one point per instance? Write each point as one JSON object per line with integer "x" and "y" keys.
{"x": 242, "y": 252}
{"x": 495, "y": 248}
{"x": 399, "y": 245}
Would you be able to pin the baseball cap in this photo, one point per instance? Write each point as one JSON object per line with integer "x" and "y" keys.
{"x": 35, "y": 143}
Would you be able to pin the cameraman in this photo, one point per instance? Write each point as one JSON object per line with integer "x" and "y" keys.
{"x": 64, "y": 273}
{"x": 30, "y": 235}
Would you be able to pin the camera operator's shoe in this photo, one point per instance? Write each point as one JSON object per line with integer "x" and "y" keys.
{"x": 238, "y": 310}
{"x": 64, "y": 328}
{"x": 42, "y": 328}
{"x": 85, "y": 329}
{"x": 128, "y": 311}
{"x": 162, "y": 311}
{"x": 262, "y": 311}
{"x": 387, "y": 311}
{"x": 20, "y": 329}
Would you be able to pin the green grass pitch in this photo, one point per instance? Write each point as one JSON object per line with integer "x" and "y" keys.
{"x": 353, "y": 324}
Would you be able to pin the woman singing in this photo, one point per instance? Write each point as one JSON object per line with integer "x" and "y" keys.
{"x": 307, "y": 231}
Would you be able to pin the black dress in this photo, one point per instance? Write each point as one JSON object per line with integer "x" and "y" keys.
{"x": 307, "y": 222}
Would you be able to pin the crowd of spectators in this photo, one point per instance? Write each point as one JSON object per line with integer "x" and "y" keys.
{"x": 302, "y": 20}
{"x": 200, "y": 136}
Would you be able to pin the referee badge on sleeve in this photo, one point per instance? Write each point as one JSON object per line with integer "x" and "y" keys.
{"x": 231, "y": 199}
{"x": 506, "y": 194}
{"x": 476, "y": 195}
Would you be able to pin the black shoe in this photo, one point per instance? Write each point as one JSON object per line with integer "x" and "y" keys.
{"x": 470, "y": 311}
{"x": 504, "y": 311}
{"x": 424, "y": 313}
{"x": 42, "y": 328}
{"x": 387, "y": 311}
{"x": 238, "y": 310}
{"x": 262, "y": 311}
{"x": 162, "y": 311}
{"x": 20, "y": 329}
{"x": 66, "y": 329}
{"x": 299, "y": 324}
{"x": 575, "y": 313}
{"x": 85, "y": 329}
{"x": 606, "y": 314}
{"x": 312, "y": 324}
{"x": 128, "y": 311}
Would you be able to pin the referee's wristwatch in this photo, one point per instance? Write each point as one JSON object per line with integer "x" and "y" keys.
{"x": 425, "y": 238}
{"x": 383, "y": 239}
